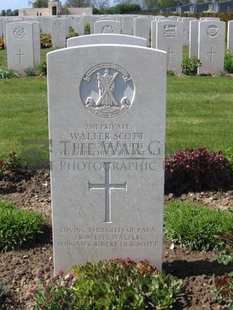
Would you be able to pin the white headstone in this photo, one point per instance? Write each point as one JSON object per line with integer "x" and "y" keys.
{"x": 127, "y": 24}
{"x": 141, "y": 28}
{"x": 169, "y": 36}
{"x": 211, "y": 46}
{"x": 1, "y": 27}
{"x": 107, "y": 26}
{"x": 5, "y": 21}
{"x": 107, "y": 17}
{"x": 106, "y": 38}
{"x": 23, "y": 45}
{"x": 79, "y": 23}
{"x": 58, "y": 26}
{"x": 186, "y": 21}
{"x": 45, "y": 24}
{"x": 159, "y": 16}
{"x": 92, "y": 20}
{"x": 230, "y": 36}
{"x": 107, "y": 164}
{"x": 193, "y": 38}
{"x": 210, "y": 18}
{"x": 174, "y": 17}
{"x": 153, "y": 33}
{"x": 30, "y": 18}
{"x": 69, "y": 23}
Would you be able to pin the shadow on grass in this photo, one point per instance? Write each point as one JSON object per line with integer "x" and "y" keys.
{"x": 40, "y": 239}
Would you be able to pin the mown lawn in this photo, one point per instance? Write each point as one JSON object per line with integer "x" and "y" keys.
{"x": 199, "y": 114}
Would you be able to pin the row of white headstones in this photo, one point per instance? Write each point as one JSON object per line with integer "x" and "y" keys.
{"x": 206, "y": 40}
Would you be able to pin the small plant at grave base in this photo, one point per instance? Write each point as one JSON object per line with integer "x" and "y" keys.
{"x": 170, "y": 72}
{"x": 13, "y": 163}
{"x": 8, "y": 73}
{"x": 1, "y": 43}
{"x": 196, "y": 170}
{"x": 56, "y": 292}
{"x": 124, "y": 284}
{"x": 43, "y": 68}
{"x": 87, "y": 28}
{"x": 224, "y": 289}
{"x": 190, "y": 65}
{"x": 195, "y": 227}
{"x": 45, "y": 40}
{"x": 17, "y": 226}
{"x": 30, "y": 72}
{"x": 223, "y": 73}
{"x": 72, "y": 33}
{"x": 228, "y": 62}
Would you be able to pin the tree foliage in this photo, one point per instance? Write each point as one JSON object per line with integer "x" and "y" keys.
{"x": 122, "y": 8}
{"x": 38, "y": 3}
{"x": 77, "y": 3}
{"x": 99, "y": 5}
{"x": 9, "y": 12}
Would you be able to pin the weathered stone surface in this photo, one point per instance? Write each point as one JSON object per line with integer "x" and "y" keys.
{"x": 107, "y": 126}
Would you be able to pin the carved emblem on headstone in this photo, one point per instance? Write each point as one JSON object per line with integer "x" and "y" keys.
{"x": 212, "y": 31}
{"x": 107, "y": 90}
{"x": 58, "y": 23}
{"x": 170, "y": 31}
{"x": 107, "y": 29}
{"x": 19, "y": 32}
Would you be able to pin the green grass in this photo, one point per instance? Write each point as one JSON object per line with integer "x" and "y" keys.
{"x": 18, "y": 226}
{"x": 23, "y": 113}
{"x": 3, "y": 56}
{"x": 196, "y": 227}
{"x": 199, "y": 113}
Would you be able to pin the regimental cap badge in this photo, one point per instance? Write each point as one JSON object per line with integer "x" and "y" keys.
{"x": 107, "y": 90}
{"x": 19, "y": 32}
{"x": 212, "y": 31}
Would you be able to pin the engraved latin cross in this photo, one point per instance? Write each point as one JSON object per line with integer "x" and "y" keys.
{"x": 170, "y": 54}
{"x": 211, "y": 54}
{"x": 107, "y": 186}
{"x": 20, "y": 56}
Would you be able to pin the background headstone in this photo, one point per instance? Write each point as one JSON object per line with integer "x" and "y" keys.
{"x": 193, "y": 38}
{"x": 106, "y": 39}
{"x": 107, "y": 164}
{"x": 45, "y": 25}
{"x": 169, "y": 36}
{"x": 1, "y": 27}
{"x": 23, "y": 45}
{"x": 107, "y": 26}
{"x": 58, "y": 26}
{"x": 211, "y": 46}
{"x": 79, "y": 23}
{"x": 141, "y": 28}
{"x": 230, "y": 36}
{"x": 92, "y": 19}
{"x": 127, "y": 24}
{"x": 186, "y": 22}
